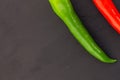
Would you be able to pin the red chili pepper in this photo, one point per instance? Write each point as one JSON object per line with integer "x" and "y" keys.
{"x": 110, "y": 12}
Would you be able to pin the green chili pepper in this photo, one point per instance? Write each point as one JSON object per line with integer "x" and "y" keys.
{"x": 64, "y": 9}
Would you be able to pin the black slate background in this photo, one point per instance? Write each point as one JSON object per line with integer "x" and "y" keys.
{"x": 36, "y": 45}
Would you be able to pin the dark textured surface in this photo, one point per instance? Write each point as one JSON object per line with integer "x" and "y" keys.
{"x": 36, "y": 45}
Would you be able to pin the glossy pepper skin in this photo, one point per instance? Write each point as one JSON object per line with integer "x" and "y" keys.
{"x": 64, "y": 9}
{"x": 110, "y": 12}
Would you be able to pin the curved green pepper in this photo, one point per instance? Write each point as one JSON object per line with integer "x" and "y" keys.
{"x": 64, "y": 9}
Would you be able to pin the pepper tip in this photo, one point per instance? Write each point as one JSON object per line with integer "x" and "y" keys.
{"x": 112, "y": 61}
